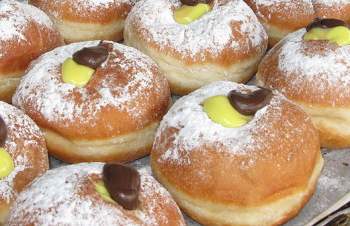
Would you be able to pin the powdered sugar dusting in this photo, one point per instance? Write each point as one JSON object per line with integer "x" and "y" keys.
{"x": 61, "y": 204}
{"x": 43, "y": 86}
{"x": 323, "y": 68}
{"x": 211, "y": 33}
{"x": 19, "y": 127}
{"x": 331, "y": 2}
{"x": 15, "y": 16}
{"x": 196, "y": 129}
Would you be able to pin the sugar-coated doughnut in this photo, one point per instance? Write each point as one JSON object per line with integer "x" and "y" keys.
{"x": 25, "y": 33}
{"x": 283, "y": 17}
{"x": 227, "y": 43}
{"x": 112, "y": 118}
{"x": 83, "y": 20}
{"x": 67, "y": 196}
{"x": 315, "y": 75}
{"x": 260, "y": 173}
{"x": 22, "y": 141}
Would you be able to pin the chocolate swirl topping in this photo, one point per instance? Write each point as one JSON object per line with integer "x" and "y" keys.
{"x": 325, "y": 23}
{"x": 3, "y": 132}
{"x": 195, "y": 2}
{"x": 250, "y": 103}
{"x": 92, "y": 57}
{"x": 123, "y": 184}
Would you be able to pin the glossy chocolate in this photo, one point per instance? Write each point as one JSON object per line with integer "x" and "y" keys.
{"x": 3, "y": 132}
{"x": 91, "y": 57}
{"x": 249, "y": 103}
{"x": 123, "y": 184}
{"x": 325, "y": 23}
{"x": 195, "y": 2}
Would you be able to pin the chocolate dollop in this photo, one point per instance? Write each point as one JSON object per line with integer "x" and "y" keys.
{"x": 195, "y": 2}
{"x": 123, "y": 184}
{"x": 91, "y": 57}
{"x": 325, "y": 23}
{"x": 3, "y": 132}
{"x": 249, "y": 103}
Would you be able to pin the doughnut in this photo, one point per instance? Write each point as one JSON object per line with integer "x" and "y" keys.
{"x": 26, "y": 33}
{"x": 232, "y": 154}
{"x": 23, "y": 155}
{"x": 225, "y": 43}
{"x": 104, "y": 108}
{"x": 72, "y": 195}
{"x": 315, "y": 74}
{"x": 84, "y": 20}
{"x": 283, "y": 17}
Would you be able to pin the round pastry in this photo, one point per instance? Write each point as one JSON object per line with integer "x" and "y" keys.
{"x": 95, "y": 101}
{"x": 23, "y": 155}
{"x": 283, "y": 17}
{"x": 83, "y": 20}
{"x": 196, "y": 45}
{"x": 26, "y": 33}
{"x": 316, "y": 75}
{"x": 232, "y": 154}
{"x": 79, "y": 195}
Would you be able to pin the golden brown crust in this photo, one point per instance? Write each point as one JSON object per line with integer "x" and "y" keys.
{"x": 78, "y": 11}
{"x": 28, "y": 33}
{"x": 293, "y": 210}
{"x": 19, "y": 53}
{"x": 279, "y": 13}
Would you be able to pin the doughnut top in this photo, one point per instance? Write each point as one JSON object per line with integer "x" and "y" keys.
{"x": 86, "y": 10}
{"x": 126, "y": 92}
{"x": 314, "y": 72}
{"x": 66, "y": 196}
{"x": 230, "y": 28}
{"x": 15, "y": 18}
{"x": 26, "y": 145}
{"x": 196, "y": 129}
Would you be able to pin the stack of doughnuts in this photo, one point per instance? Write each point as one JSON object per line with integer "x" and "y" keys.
{"x": 23, "y": 155}
{"x": 315, "y": 75}
{"x": 227, "y": 43}
{"x": 112, "y": 118}
{"x": 25, "y": 33}
{"x": 283, "y": 17}
{"x": 83, "y": 20}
